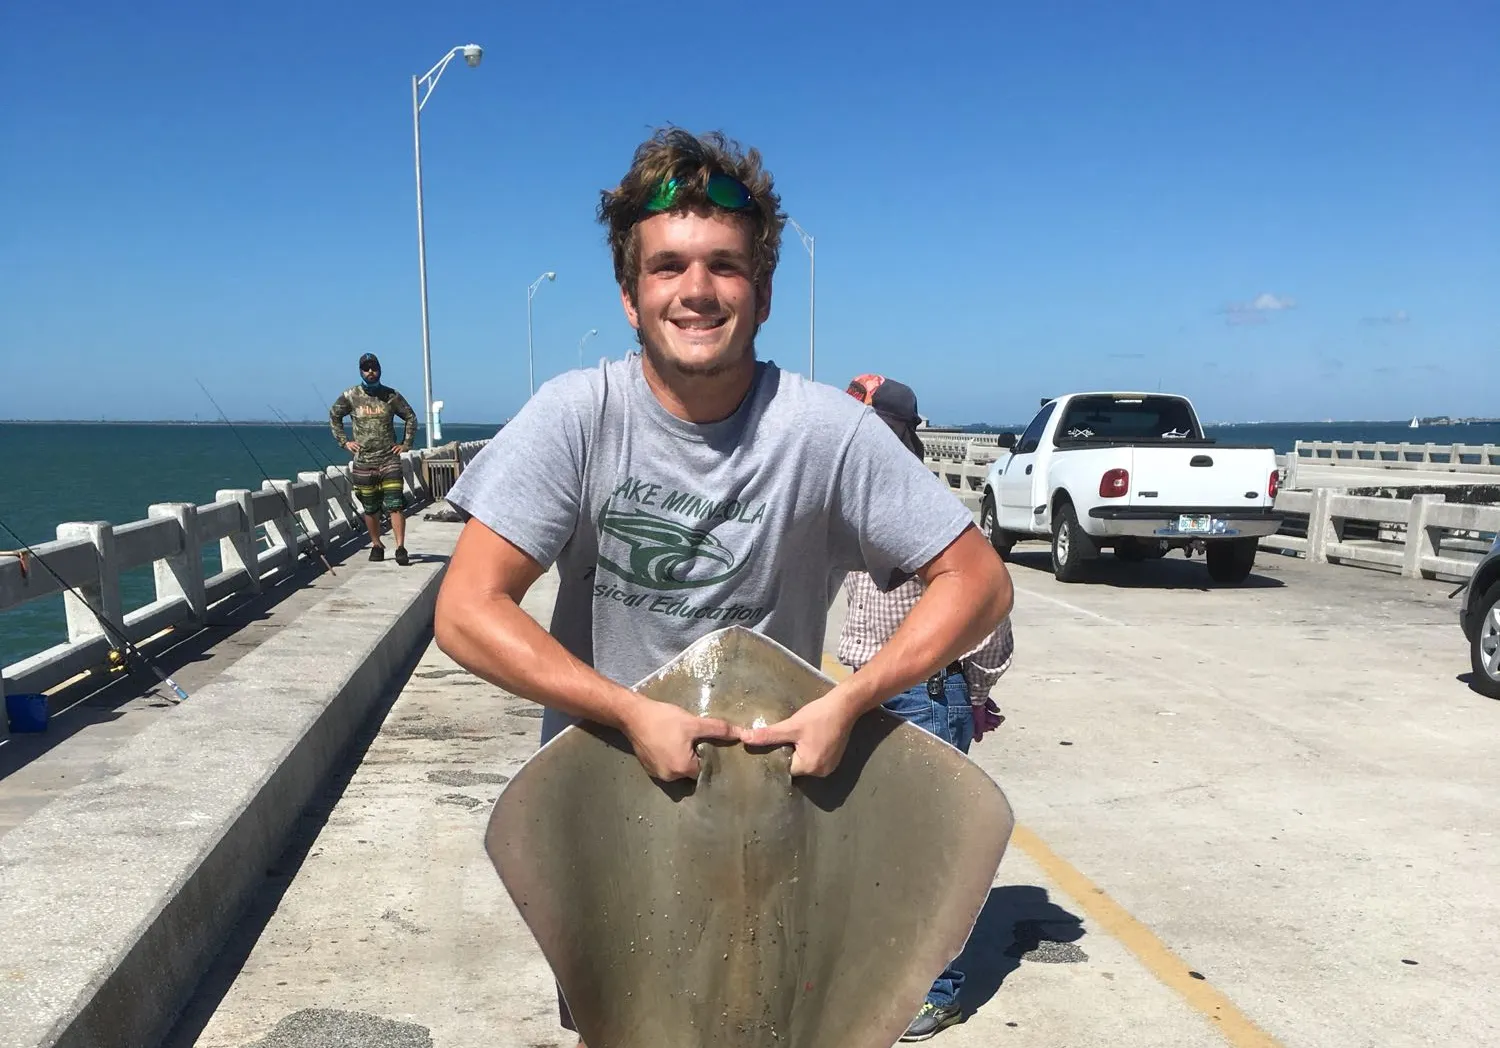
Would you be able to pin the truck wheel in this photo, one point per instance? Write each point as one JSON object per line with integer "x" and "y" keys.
{"x": 1231, "y": 560}
{"x": 1484, "y": 650}
{"x": 1071, "y": 546}
{"x": 989, "y": 525}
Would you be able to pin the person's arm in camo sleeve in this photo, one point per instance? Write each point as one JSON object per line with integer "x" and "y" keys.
{"x": 408, "y": 416}
{"x": 336, "y": 414}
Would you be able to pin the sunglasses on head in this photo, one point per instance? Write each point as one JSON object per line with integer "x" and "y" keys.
{"x": 724, "y": 190}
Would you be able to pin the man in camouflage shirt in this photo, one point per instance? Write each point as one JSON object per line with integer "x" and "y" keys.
{"x": 377, "y": 454}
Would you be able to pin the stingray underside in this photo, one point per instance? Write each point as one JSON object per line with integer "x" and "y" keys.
{"x": 748, "y": 909}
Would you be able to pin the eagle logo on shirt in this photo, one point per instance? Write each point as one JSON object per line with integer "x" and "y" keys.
{"x": 665, "y": 555}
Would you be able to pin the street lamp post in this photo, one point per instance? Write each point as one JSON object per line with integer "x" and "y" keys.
{"x": 585, "y": 338}
{"x": 530, "y": 293}
{"x": 472, "y": 54}
{"x": 812, "y": 293}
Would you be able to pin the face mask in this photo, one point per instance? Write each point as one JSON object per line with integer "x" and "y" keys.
{"x": 371, "y": 385}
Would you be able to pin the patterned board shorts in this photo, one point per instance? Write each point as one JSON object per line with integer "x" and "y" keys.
{"x": 379, "y": 487}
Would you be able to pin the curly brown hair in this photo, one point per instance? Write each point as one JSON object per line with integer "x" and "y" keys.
{"x": 692, "y": 159}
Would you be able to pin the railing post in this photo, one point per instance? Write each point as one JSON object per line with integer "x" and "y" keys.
{"x": 342, "y": 493}
{"x": 182, "y": 575}
{"x": 1319, "y": 526}
{"x": 1421, "y": 536}
{"x": 283, "y": 528}
{"x": 102, "y": 592}
{"x": 317, "y": 519}
{"x": 237, "y": 549}
{"x": 411, "y": 484}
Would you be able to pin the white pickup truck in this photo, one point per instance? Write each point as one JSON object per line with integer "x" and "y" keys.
{"x": 1132, "y": 472}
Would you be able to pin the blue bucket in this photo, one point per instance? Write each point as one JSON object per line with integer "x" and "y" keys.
{"x": 27, "y": 713}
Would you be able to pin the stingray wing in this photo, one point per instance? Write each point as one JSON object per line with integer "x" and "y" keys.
{"x": 748, "y": 910}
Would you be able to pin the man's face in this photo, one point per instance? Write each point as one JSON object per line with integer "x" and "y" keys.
{"x": 696, "y": 307}
{"x": 370, "y": 372}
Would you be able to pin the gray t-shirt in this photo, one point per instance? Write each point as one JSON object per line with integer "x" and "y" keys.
{"x": 664, "y": 530}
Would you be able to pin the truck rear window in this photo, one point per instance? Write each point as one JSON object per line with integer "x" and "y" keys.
{"x": 1135, "y": 418}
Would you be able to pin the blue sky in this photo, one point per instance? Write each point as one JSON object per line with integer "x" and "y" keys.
{"x": 1283, "y": 210}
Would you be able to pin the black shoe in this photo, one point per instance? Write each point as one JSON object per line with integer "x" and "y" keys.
{"x": 931, "y": 1019}
{"x": 377, "y": 553}
{"x": 401, "y": 557}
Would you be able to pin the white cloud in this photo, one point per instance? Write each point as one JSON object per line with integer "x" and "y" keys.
{"x": 1255, "y": 311}
{"x": 1267, "y": 301}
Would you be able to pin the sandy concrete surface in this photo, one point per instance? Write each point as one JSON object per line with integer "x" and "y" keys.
{"x": 1252, "y": 816}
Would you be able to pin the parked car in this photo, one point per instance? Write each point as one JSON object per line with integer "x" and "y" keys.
{"x": 1131, "y": 472}
{"x": 1479, "y": 618}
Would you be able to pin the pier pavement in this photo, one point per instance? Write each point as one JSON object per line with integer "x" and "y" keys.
{"x": 1252, "y": 816}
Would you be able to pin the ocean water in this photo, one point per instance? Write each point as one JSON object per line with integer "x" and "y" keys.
{"x": 56, "y": 472}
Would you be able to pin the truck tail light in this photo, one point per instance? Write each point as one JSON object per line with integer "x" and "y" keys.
{"x": 1274, "y": 484}
{"x": 1114, "y": 484}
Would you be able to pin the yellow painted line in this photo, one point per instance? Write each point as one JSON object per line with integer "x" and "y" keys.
{"x": 1158, "y": 958}
{"x": 1109, "y": 916}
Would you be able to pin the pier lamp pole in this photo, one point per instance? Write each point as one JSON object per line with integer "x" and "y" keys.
{"x": 530, "y": 294}
{"x": 812, "y": 292}
{"x": 585, "y": 338}
{"x": 472, "y": 54}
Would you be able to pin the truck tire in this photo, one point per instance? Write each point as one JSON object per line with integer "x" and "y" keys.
{"x": 1071, "y": 546}
{"x": 1231, "y": 560}
{"x": 989, "y": 526}
{"x": 1484, "y": 649}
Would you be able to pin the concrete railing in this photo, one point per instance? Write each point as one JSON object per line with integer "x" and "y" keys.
{"x": 259, "y": 541}
{"x": 1466, "y": 458}
{"x": 962, "y": 460}
{"x": 1420, "y": 537}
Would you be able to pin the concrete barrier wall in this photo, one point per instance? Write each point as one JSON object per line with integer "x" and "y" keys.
{"x": 260, "y": 534}
{"x": 1468, "y": 458}
{"x": 120, "y": 892}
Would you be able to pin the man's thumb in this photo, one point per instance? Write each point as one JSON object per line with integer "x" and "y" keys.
{"x": 777, "y": 734}
{"x": 714, "y": 728}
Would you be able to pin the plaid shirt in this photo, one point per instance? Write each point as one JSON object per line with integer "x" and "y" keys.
{"x": 873, "y": 616}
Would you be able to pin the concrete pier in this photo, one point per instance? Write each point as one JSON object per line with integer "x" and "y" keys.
{"x": 1252, "y": 816}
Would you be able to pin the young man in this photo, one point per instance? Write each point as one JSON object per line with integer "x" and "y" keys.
{"x": 377, "y": 454}
{"x": 954, "y": 703}
{"x": 691, "y": 487}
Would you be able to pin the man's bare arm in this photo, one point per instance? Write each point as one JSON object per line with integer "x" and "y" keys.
{"x": 968, "y": 591}
{"x": 480, "y": 625}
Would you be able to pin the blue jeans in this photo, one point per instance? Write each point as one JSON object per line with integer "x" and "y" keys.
{"x": 950, "y": 720}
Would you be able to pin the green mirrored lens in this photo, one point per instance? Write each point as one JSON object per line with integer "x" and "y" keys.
{"x": 728, "y": 192}
{"x": 663, "y": 197}
{"x": 723, "y": 190}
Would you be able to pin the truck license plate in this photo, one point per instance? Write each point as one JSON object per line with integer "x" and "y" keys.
{"x": 1198, "y": 523}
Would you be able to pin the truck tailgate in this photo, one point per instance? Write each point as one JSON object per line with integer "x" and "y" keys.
{"x": 1200, "y": 476}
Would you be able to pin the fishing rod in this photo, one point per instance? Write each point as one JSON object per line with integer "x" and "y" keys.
{"x": 320, "y": 459}
{"x": 112, "y": 632}
{"x": 313, "y": 544}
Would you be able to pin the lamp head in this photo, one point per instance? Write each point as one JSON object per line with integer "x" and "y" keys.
{"x": 472, "y": 54}
{"x": 550, "y": 275}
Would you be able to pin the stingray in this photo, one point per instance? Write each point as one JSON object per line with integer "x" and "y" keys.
{"x": 748, "y": 909}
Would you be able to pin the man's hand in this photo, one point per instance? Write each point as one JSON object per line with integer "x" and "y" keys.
{"x": 664, "y": 737}
{"x": 398, "y": 448}
{"x": 818, "y": 734}
{"x": 352, "y": 445}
